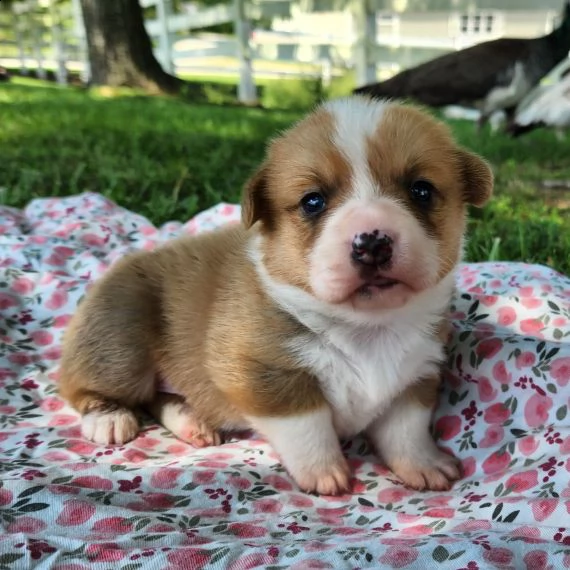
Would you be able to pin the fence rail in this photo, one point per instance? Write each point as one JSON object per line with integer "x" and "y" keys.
{"x": 43, "y": 34}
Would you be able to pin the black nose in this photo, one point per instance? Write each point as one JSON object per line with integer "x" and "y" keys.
{"x": 372, "y": 248}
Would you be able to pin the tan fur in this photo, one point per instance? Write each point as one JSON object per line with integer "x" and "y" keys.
{"x": 187, "y": 312}
{"x": 195, "y": 313}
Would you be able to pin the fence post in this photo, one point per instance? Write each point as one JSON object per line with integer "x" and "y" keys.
{"x": 36, "y": 29}
{"x": 81, "y": 35}
{"x": 19, "y": 41}
{"x": 247, "y": 93}
{"x": 163, "y": 13}
{"x": 57, "y": 43}
{"x": 365, "y": 30}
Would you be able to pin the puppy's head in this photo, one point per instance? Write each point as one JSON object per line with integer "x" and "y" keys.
{"x": 362, "y": 204}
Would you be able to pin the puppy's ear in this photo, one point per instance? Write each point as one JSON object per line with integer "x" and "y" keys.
{"x": 254, "y": 203}
{"x": 477, "y": 177}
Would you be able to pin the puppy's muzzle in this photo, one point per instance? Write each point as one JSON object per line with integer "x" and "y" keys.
{"x": 373, "y": 249}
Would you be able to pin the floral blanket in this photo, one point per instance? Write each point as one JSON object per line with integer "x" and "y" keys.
{"x": 157, "y": 503}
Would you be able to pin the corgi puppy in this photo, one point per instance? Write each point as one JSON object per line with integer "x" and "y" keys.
{"x": 320, "y": 316}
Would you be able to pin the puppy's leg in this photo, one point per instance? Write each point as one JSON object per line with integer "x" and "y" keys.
{"x": 403, "y": 440}
{"x": 174, "y": 414}
{"x": 108, "y": 367}
{"x": 309, "y": 449}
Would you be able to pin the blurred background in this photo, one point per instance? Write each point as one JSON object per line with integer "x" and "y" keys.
{"x": 165, "y": 106}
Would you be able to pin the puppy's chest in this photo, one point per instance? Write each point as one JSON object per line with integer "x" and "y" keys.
{"x": 361, "y": 373}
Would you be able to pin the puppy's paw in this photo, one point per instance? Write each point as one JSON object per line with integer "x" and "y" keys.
{"x": 176, "y": 416}
{"x": 113, "y": 427}
{"x": 198, "y": 434}
{"x": 333, "y": 481}
{"x": 435, "y": 471}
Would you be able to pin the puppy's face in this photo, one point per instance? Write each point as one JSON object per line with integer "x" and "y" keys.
{"x": 362, "y": 204}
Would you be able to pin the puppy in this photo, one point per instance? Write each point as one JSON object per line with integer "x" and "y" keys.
{"x": 320, "y": 316}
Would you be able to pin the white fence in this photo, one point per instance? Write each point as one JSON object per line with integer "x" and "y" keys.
{"x": 44, "y": 35}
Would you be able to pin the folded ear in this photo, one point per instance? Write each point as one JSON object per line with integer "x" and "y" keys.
{"x": 254, "y": 203}
{"x": 478, "y": 178}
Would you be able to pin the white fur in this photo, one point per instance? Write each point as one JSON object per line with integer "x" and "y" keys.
{"x": 403, "y": 440}
{"x": 414, "y": 260}
{"x": 355, "y": 121}
{"x": 108, "y": 428}
{"x": 363, "y": 360}
{"x": 309, "y": 448}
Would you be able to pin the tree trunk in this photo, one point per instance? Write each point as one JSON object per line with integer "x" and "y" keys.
{"x": 120, "y": 50}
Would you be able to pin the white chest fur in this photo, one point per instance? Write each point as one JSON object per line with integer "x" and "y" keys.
{"x": 363, "y": 369}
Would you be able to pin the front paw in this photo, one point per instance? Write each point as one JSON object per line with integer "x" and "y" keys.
{"x": 433, "y": 470}
{"x": 334, "y": 480}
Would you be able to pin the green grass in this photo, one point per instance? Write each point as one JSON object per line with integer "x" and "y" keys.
{"x": 168, "y": 159}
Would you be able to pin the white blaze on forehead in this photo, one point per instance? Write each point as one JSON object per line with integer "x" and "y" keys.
{"x": 356, "y": 120}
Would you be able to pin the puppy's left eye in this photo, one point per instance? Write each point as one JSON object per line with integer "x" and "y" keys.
{"x": 422, "y": 192}
{"x": 313, "y": 203}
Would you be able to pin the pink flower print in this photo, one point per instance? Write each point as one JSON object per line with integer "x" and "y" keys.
{"x": 301, "y": 501}
{"x": 493, "y": 435}
{"x": 260, "y": 560}
{"x": 246, "y": 530}
{"x": 7, "y": 301}
{"x": 447, "y": 427}
{"x": 498, "y": 556}
{"x": 536, "y": 410}
{"x": 42, "y": 337}
{"x": 22, "y": 286}
{"x": 497, "y": 414}
{"x": 8, "y": 410}
{"x": 57, "y": 300}
{"x": 93, "y": 482}
{"x": 489, "y": 348}
{"x": 543, "y": 508}
{"x": 278, "y": 482}
{"x": 75, "y": 513}
{"x": 203, "y": 477}
{"x": 440, "y": 513}
{"x": 51, "y": 404}
{"x": 531, "y": 326}
{"x": 393, "y": 495}
{"x": 536, "y": 560}
{"x": 61, "y": 321}
{"x": 486, "y": 391}
{"x": 114, "y": 525}
{"x": 560, "y": 322}
{"x": 29, "y": 384}
{"x": 195, "y": 558}
{"x": 134, "y": 455}
{"x": 500, "y": 372}
{"x": 158, "y": 500}
{"x": 399, "y": 556}
{"x": 62, "y": 420}
{"x": 267, "y": 506}
{"x": 528, "y": 445}
{"x": 104, "y": 552}
{"x": 468, "y": 466}
{"x": 507, "y": 316}
{"x": 496, "y": 462}
{"x": 25, "y": 524}
{"x": 93, "y": 240}
{"x": 165, "y": 478}
{"x": 531, "y": 303}
{"x": 520, "y": 482}
{"x": 560, "y": 370}
{"x": 489, "y": 300}
{"x": 5, "y": 497}
{"x": 525, "y": 360}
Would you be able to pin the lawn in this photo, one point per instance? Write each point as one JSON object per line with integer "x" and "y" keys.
{"x": 167, "y": 159}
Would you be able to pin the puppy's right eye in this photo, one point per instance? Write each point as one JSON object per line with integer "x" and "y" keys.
{"x": 313, "y": 204}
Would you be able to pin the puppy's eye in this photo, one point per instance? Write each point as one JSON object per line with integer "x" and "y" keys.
{"x": 313, "y": 203}
{"x": 422, "y": 192}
